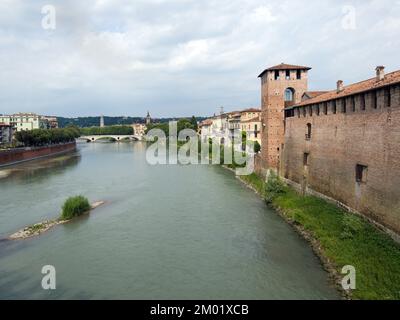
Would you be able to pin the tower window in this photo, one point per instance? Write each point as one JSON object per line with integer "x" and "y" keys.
{"x": 298, "y": 74}
{"x": 344, "y": 106}
{"x": 289, "y": 94}
{"x": 361, "y": 173}
{"x": 276, "y": 74}
{"x": 287, "y": 74}
{"x": 334, "y": 106}
{"x": 325, "y": 108}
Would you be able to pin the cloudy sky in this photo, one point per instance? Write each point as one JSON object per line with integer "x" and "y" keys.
{"x": 182, "y": 57}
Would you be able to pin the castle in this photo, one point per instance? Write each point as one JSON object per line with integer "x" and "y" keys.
{"x": 343, "y": 144}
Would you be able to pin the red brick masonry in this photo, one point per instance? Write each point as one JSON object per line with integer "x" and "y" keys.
{"x": 15, "y": 156}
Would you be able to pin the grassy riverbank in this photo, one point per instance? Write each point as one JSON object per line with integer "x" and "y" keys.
{"x": 343, "y": 239}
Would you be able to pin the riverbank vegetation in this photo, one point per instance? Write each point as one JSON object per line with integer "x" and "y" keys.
{"x": 343, "y": 238}
{"x": 74, "y": 207}
{"x": 41, "y": 137}
{"x": 181, "y": 125}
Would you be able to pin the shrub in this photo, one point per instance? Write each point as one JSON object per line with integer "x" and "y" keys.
{"x": 74, "y": 207}
{"x": 273, "y": 187}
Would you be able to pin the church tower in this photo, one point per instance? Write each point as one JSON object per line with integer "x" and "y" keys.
{"x": 281, "y": 86}
{"x": 148, "y": 118}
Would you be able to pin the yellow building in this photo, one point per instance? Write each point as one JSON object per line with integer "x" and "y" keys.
{"x": 250, "y": 122}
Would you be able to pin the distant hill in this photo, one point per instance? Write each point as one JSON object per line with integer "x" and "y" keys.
{"x": 83, "y": 122}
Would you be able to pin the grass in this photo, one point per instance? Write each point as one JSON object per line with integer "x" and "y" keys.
{"x": 346, "y": 239}
{"x": 74, "y": 207}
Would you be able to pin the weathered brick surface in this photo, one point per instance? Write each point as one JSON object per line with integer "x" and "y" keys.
{"x": 339, "y": 142}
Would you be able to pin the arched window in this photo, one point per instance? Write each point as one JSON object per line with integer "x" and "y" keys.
{"x": 289, "y": 94}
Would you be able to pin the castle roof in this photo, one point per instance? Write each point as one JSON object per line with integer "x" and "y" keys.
{"x": 284, "y": 66}
{"x": 359, "y": 87}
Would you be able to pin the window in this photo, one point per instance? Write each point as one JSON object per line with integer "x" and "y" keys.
{"x": 334, "y": 106}
{"x": 388, "y": 97}
{"x": 287, "y": 74}
{"x": 310, "y": 108}
{"x": 298, "y": 74}
{"x": 304, "y": 112}
{"x": 318, "y": 109}
{"x": 352, "y": 104}
{"x": 305, "y": 159}
{"x": 361, "y": 173}
{"x": 276, "y": 74}
{"x": 308, "y": 134}
{"x": 374, "y": 99}
{"x": 255, "y": 131}
{"x": 325, "y": 108}
{"x": 362, "y": 101}
{"x": 289, "y": 94}
{"x": 344, "y": 106}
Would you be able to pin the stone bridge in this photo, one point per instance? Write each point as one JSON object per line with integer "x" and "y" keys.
{"x": 93, "y": 138}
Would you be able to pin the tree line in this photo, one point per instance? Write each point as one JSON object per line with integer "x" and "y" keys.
{"x": 111, "y": 130}
{"x": 42, "y": 137}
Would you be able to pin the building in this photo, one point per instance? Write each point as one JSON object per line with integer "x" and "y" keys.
{"x": 6, "y": 133}
{"x": 206, "y": 130}
{"x": 250, "y": 122}
{"x": 51, "y": 121}
{"x": 281, "y": 86}
{"x": 345, "y": 144}
{"x": 139, "y": 129}
{"x": 25, "y": 121}
{"x": 101, "y": 121}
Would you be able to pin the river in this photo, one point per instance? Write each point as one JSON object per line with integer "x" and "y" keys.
{"x": 166, "y": 232}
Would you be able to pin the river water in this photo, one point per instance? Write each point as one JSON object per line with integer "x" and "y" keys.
{"x": 166, "y": 232}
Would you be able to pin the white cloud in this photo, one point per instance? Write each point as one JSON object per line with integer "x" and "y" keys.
{"x": 180, "y": 57}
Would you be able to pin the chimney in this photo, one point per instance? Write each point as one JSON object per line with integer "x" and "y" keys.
{"x": 339, "y": 85}
{"x": 380, "y": 73}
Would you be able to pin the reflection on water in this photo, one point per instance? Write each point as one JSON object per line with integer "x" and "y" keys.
{"x": 40, "y": 168}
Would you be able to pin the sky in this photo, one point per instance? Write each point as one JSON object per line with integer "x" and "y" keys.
{"x": 181, "y": 57}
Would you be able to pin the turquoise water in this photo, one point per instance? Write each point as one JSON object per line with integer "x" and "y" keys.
{"x": 166, "y": 232}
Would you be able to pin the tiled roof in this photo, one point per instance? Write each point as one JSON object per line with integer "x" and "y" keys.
{"x": 251, "y": 110}
{"x": 284, "y": 66}
{"x": 207, "y": 122}
{"x": 359, "y": 87}
{"x": 313, "y": 94}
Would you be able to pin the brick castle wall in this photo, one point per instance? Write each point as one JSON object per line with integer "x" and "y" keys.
{"x": 20, "y": 155}
{"x": 339, "y": 141}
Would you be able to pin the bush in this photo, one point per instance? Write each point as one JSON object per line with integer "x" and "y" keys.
{"x": 273, "y": 187}
{"x": 74, "y": 207}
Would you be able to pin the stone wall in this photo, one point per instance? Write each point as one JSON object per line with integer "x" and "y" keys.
{"x": 365, "y": 137}
{"x": 10, "y": 157}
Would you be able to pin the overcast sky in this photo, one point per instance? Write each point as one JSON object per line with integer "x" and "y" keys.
{"x": 182, "y": 57}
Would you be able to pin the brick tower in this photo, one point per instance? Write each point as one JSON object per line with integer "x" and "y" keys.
{"x": 281, "y": 86}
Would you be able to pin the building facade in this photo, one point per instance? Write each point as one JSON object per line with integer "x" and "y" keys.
{"x": 250, "y": 122}
{"x": 345, "y": 144}
{"x": 281, "y": 86}
{"x": 25, "y": 121}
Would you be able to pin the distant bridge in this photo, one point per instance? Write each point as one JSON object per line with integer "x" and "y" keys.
{"x": 93, "y": 138}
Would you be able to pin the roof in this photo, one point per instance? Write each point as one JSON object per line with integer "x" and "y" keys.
{"x": 250, "y": 110}
{"x": 207, "y": 122}
{"x": 359, "y": 87}
{"x": 284, "y": 66}
{"x": 313, "y": 94}
{"x": 255, "y": 119}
